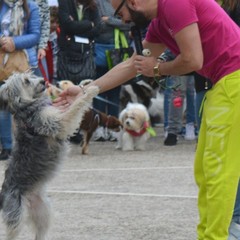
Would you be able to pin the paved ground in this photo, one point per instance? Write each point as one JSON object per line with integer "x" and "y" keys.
{"x": 115, "y": 195}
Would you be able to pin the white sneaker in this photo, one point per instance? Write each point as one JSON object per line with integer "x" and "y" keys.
{"x": 165, "y": 132}
{"x": 99, "y": 135}
{"x": 190, "y": 132}
{"x": 234, "y": 231}
{"x": 113, "y": 136}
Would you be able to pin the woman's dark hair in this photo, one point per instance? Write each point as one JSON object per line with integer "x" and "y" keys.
{"x": 87, "y": 3}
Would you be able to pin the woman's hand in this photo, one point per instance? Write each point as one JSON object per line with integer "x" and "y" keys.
{"x": 41, "y": 53}
{"x": 67, "y": 97}
{"x": 7, "y": 44}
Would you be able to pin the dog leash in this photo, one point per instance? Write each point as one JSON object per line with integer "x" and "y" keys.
{"x": 40, "y": 65}
{"x": 106, "y": 101}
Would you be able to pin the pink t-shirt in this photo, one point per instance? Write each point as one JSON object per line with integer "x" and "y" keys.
{"x": 220, "y": 36}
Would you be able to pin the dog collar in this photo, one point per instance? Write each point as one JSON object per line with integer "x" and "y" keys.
{"x": 136, "y": 134}
{"x": 141, "y": 132}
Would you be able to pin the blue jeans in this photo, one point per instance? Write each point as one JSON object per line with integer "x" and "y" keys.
{"x": 173, "y": 115}
{"x": 6, "y": 129}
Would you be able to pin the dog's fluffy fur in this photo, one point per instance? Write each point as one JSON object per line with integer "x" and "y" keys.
{"x": 92, "y": 118}
{"x": 135, "y": 120}
{"x": 39, "y": 148}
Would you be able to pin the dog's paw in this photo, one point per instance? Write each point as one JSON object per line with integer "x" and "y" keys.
{"x": 92, "y": 91}
{"x": 53, "y": 91}
{"x": 65, "y": 84}
{"x": 127, "y": 149}
{"x": 85, "y": 82}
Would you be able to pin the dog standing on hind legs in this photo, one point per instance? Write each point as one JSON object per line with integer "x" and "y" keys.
{"x": 41, "y": 133}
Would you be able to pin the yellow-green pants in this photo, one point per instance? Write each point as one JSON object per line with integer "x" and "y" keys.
{"x": 217, "y": 162}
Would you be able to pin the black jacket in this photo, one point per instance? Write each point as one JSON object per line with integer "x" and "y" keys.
{"x": 70, "y": 25}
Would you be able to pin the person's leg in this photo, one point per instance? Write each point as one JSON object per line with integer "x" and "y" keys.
{"x": 5, "y": 134}
{"x": 167, "y": 96}
{"x": 175, "y": 113}
{"x": 201, "y": 181}
{"x": 114, "y": 98}
{"x": 100, "y": 105}
{"x": 216, "y": 163}
{"x": 190, "y": 108}
{"x": 97, "y": 103}
{"x": 190, "y": 99}
{"x": 113, "y": 106}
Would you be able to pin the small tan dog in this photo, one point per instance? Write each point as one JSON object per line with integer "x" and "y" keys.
{"x": 135, "y": 121}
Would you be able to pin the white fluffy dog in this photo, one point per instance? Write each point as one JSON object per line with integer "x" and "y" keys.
{"x": 135, "y": 121}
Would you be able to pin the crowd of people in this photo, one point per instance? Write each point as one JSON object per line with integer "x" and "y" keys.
{"x": 190, "y": 41}
{"x": 71, "y": 29}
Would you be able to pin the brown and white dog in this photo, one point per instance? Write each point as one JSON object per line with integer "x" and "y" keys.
{"x": 135, "y": 120}
{"x": 92, "y": 118}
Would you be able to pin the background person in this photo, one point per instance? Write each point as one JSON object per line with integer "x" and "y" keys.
{"x": 52, "y": 49}
{"x": 79, "y": 24}
{"x": 105, "y": 41}
{"x": 178, "y": 87}
{"x": 45, "y": 31}
{"x": 20, "y": 29}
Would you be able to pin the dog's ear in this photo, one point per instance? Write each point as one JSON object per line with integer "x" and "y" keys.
{"x": 122, "y": 115}
{"x": 114, "y": 123}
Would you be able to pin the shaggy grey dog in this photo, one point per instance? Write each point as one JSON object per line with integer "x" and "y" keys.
{"x": 42, "y": 130}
